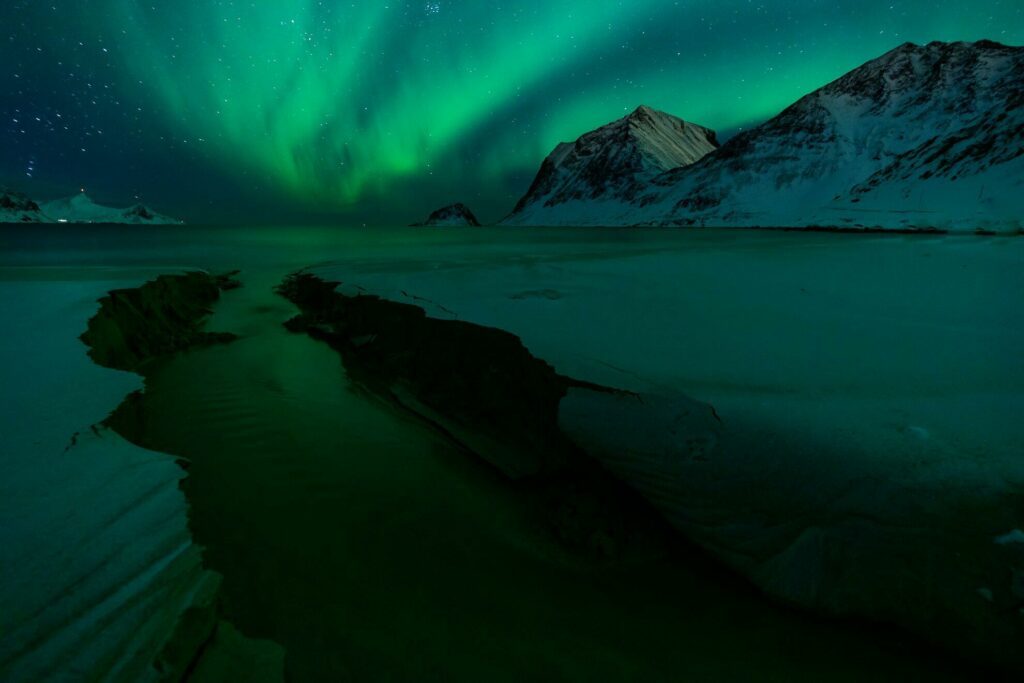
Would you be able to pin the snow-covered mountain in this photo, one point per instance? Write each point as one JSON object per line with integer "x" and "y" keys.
{"x": 611, "y": 165}
{"x": 454, "y": 215}
{"x": 17, "y": 208}
{"x": 924, "y": 137}
{"x": 81, "y": 209}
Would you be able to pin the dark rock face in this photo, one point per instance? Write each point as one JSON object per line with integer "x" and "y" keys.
{"x": 15, "y": 201}
{"x": 619, "y": 160}
{"x": 139, "y": 211}
{"x": 453, "y": 215}
{"x": 479, "y": 383}
{"x": 15, "y": 207}
{"x": 136, "y": 327}
{"x": 161, "y": 317}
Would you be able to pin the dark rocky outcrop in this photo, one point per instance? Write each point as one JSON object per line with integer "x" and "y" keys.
{"x": 15, "y": 201}
{"x": 452, "y": 216}
{"x": 161, "y": 317}
{"x": 139, "y": 211}
{"x": 479, "y": 383}
{"x": 132, "y": 328}
{"x": 486, "y": 392}
{"x": 15, "y": 207}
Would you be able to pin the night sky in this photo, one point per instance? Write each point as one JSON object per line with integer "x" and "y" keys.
{"x": 378, "y": 112}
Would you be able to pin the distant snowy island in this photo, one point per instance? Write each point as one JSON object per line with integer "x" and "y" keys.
{"x": 16, "y": 207}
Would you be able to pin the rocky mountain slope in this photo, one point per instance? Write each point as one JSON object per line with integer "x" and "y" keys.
{"x": 17, "y": 208}
{"x": 613, "y": 164}
{"x": 453, "y": 215}
{"x": 924, "y": 137}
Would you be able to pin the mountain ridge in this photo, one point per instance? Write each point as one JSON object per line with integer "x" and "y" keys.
{"x": 924, "y": 137}
{"x": 617, "y": 160}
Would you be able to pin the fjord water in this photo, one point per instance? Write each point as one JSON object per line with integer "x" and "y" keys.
{"x": 368, "y": 546}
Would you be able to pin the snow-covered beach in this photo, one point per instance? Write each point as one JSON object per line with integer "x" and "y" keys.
{"x": 868, "y": 387}
{"x": 871, "y": 441}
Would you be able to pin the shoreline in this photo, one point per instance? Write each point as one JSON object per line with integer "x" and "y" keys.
{"x": 132, "y": 329}
{"x": 845, "y": 230}
{"x": 592, "y": 528}
{"x": 199, "y": 341}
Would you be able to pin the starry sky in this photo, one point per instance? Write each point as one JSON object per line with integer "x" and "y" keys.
{"x": 378, "y": 111}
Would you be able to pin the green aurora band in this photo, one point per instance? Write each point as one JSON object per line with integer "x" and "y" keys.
{"x": 334, "y": 104}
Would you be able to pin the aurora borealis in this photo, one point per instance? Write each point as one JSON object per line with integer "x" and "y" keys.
{"x": 377, "y": 112}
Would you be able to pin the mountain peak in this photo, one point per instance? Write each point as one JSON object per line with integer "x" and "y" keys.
{"x": 923, "y": 137}
{"x": 905, "y": 47}
{"x": 643, "y": 112}
{"x": 938, "y": 49}
{"x": 80, "y": 199}
{"x": 617, "y": 160}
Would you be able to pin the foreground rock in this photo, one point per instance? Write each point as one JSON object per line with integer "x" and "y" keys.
{"x": 161, "y": 317}
{"x": 479, "y": 384}
{"x": 484, "y": 390}
{"x": 455, "y": 215}
{"x": 925, "y": 138}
